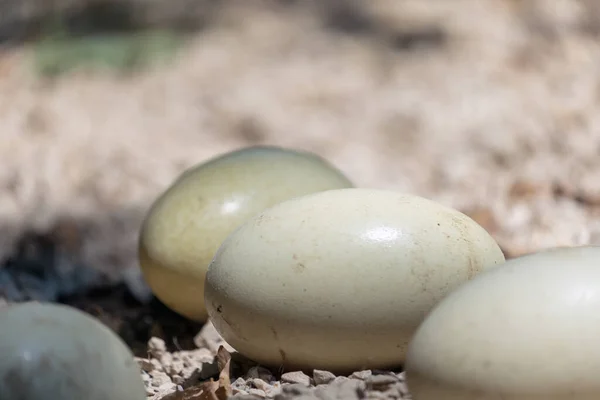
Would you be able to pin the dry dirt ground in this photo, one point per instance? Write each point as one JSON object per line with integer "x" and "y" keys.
{"x": 490, "y": 107}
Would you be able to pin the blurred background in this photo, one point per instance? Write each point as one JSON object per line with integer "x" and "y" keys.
{"x": 491, "y": 107}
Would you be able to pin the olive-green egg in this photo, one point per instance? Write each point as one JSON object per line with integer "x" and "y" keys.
{"x": 189, "y": 221}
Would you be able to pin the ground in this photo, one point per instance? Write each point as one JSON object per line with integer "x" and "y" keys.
{"x": 488, "y": 107}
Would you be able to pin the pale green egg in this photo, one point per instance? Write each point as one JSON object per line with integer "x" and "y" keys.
{"x": 526, "y": 330}
{"x": 340, "y": 280}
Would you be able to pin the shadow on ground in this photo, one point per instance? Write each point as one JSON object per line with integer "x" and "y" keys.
{"x": 49, "y": 266}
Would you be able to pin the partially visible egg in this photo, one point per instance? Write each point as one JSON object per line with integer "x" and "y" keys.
{"x": 340, "y": 280}
{"x": 187, "y": 223}
{"x": 50, "y": 351}
{"x": 527, "y": 330}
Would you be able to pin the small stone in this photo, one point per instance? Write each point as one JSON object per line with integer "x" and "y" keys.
{"x": 239, "y": 392}
{"x": 401, "y": 388}
{"x": 321, "y": 377}
{"x": 295, "y": 389}
{"x": 160, "y": 378}
{"x": 157, "y": 365}
{"x": 150, "y": 391}
{"x": 257, "y": 392}
{"x": 381, "y": 396}
{"x": 174, "y": 367}
{"x": 381, "y": 382}
{"x": 341, "y": 379}
{"x": 157, "y": 347}
{"x": 178, "y": 380}
{"x": 273, "y": 391}
{"x": 146, "y": 378}
{"x": 167, "y": 387}
{"x": 239, "y": 383}
{"x": 296, "y": 377}
{"x": 260, "y": 384}
{"x": 166, "y": 359}
{"x": 208, "y": 337}
{"x": 362, "y": 375}
{"x": 349, "y": 389}
{"x": 145, "y": 364}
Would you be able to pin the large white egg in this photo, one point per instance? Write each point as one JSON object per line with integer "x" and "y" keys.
{"x": 526, "y": 330}
{"x": 50, "y": 351}
{"x": 340, "y": 280}
{"x": 188, "y": 222}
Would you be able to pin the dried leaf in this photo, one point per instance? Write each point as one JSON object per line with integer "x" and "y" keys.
{"x": 224, "y": 361}
{"x": 204, "y": 391}
{"x": 211, "y": 390}
{"x": 223, "y": 358}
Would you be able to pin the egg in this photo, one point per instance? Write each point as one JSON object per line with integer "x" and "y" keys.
{"x": 187, "y": 223}
{"x": 51, "y": 351}
{"x": 339, "y": 280}
{"x": 525, "y": 330}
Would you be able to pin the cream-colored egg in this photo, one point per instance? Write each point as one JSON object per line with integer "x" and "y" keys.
{"x": 187, "y": 223}
{"x": 50, "y": 351}
{"x": 526, "y": 330}
{"x": 340, "y": 280}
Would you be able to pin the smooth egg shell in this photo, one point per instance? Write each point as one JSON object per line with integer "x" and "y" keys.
{"x": 339, "y": 280}
{"x": 188, "y": 222}
{"x": 50, "y": 351}
{"x": 526, "y": 330}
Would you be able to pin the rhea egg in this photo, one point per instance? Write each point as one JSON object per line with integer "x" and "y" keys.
{"x": 526, "y": 330}
{"x": 340, "y": 279}
{"x": 188, "y": 222}
{"x": 51, "y": 351}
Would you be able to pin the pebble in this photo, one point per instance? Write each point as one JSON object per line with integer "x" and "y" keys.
{"x": 362, "y": 375}
{"x": 296, "y": 377}
{"x": 260, "y": 384}
{"x": 295, "y": 389}
{"x": 321, "y": 377}
{"x": 145, "y": 364}
{"x": 378, "y": 381}
{"x": 257, "y": 392}
{"x": 346, "y": 390}
{"x": 273, "y": 391}
{"x": 209, "y": 338}
{"x": 157, "y": 347}
{"x": 239, "y": 392}
{"x": 160, "y": 378}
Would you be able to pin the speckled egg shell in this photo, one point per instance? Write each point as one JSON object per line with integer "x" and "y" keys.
{"x": 340, "y": 280}
{"x": 188, "y": 223}
{"x": 527, "y": 330}
{"x": 50, "y": 351}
